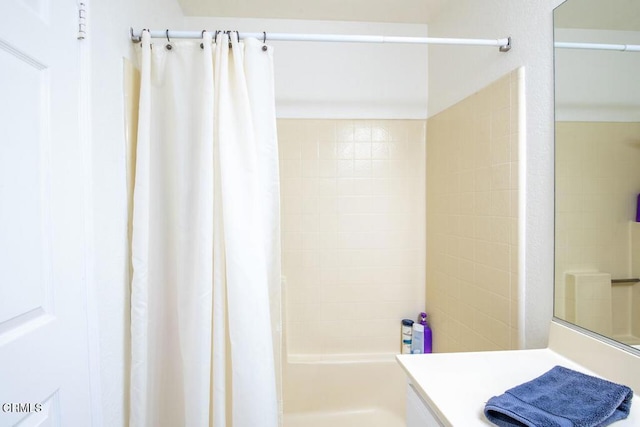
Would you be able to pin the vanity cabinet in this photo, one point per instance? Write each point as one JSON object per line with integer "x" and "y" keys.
{"x": 417, "y": 411}
{"x": 451, "y": 389}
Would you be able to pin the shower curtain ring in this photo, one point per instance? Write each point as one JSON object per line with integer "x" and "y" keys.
{"x": 168, "y": 46}
{"x": 264, "y": 41}
{"x": 202, "y": 35}
{"x": 229, "y": 33}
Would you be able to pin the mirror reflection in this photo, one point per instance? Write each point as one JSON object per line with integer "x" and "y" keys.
{"x": 597, "y": 169}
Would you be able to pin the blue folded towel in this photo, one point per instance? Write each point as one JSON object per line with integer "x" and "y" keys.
{"x": 561, "y": 398}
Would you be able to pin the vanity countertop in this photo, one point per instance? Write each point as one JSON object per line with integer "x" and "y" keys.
{"x": 456, "y": 386}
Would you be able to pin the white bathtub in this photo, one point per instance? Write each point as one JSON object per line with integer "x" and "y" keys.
{"x": 343, "y": 391}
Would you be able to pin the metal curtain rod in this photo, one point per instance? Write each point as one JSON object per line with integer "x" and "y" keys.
{"x": 504, "y": 44}
{"x": 599, "y": 46}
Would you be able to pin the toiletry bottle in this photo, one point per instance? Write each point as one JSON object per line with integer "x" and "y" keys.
{"x": 417, "y": 339}
{"x": 428, "y": 335}
{"x": 405, "y": 345}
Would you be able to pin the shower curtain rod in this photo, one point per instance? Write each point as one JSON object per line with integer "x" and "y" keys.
{"x": 504, "y": 44}
{"x": 599, "y": 46}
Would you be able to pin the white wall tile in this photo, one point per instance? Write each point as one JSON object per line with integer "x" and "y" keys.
{"x": 353, "y": 223}
{"x": 472, "y": 221}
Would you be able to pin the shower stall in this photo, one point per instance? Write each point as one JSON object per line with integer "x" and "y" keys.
{"x": 353, "y": 219}
{"x": 353, "y": 198}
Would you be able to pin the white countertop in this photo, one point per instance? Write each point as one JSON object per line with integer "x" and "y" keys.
{"x": 456, "y": 386}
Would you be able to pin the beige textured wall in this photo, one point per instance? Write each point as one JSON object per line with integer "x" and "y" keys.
{"x": 597, "y": 182}
{"x": 472, "y": 206}
{"x": 353, "y": 227}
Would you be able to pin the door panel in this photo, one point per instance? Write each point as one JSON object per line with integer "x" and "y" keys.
{"x": 24, "y": 195}
{"x": 44, "y": 377}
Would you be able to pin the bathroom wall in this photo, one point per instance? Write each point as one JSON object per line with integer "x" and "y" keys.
{"x": 472, "y": 220}
{"x": 597, "y": 182}
{"x": 353, "y": 227}
{"x": 456, "y": 72}
{"x": 341, "y": 80}
{"x": 108, "y": 43}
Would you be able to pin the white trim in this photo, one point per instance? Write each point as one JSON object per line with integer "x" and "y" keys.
{"x": 522, "y": 208}
{"x": 91, "y": 303}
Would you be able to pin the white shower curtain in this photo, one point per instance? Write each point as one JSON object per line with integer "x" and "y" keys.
{"x": 205, "y": 245}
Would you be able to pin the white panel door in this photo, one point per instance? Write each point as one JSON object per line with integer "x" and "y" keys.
{"x": 44, "y": 365}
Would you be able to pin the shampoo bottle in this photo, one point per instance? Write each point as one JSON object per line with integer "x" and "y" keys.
{"x": 407, "y": 328}
{"x": 417, "y": 339}
{"x": 428, "y": 335}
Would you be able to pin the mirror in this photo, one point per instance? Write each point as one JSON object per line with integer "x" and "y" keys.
{"x": 597, "y": 168}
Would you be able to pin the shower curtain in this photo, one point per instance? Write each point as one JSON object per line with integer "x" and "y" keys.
{"x": 205, "y": 241}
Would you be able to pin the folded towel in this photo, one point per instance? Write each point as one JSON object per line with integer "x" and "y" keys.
{"x": 561, "y": 398}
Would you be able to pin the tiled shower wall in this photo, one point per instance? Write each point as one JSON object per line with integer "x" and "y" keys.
{"x": 472, "y": 204}
{"x": 353, "y": 227}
